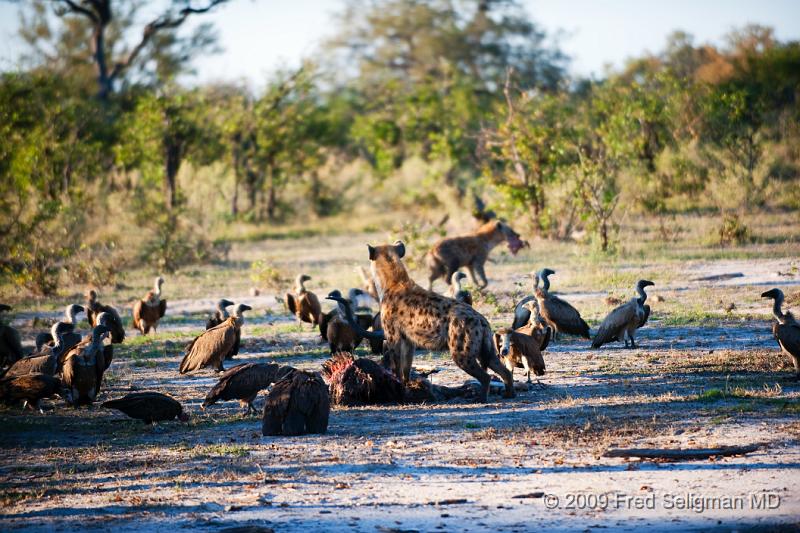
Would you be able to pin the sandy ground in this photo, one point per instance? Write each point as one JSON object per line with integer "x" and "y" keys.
{"x": 511, "y": 465}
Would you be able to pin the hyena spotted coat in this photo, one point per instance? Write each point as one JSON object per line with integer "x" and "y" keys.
{"x": 470, "y": 251}
{"x": 414, "y": 317}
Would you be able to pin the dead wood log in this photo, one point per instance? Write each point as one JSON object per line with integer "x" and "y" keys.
{"x": 681, "y": 453}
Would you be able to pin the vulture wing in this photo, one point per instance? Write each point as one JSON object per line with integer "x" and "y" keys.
{"x": 313, "y": 305}
{"x": 210, "y": 347}
{"x": 276, "y": 407}
{"x": 162, "y": 308}
{"x": 116, "y": 327}
{"x": 565, "y": 316}
{"x": 32, "y": 387}
{"x": 547, "y": 334}
{"x": 522, "y": 315}
{"x": 613, "y": 324}
{"x": 243, "y": 381}
{"x": 323, "y": 323}
{"x": 137, "y": 313}
{"x": 291, "y": 303}
{"x": 46, "y": 363}
{"x": 645, "y": 316}
{"x": 10, "y": 345}
{"x": 788, "y": 336}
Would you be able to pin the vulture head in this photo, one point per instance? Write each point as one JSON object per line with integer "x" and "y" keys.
{"x": 241, "y": 308}
{"x": 458, "y": 276}
{"x": 775, "y": 294}
{"x": 99, "y": 333}
{"x": 222, "y": 304}
{"x": 91, "y": 296}
{"x": 72, "y": 311}
{"x": 4, "y": 307}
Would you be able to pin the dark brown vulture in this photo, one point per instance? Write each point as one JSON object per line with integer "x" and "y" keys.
{"x": 212, "y": 346}
{"x": 360, "y": 381}
{"x": 149, "y": 407}
{"x": 10, "y": 342}
{"x": 220, "y": 313}
{"x": 244, "y": 382}
{"x": 340, "y": 336}
{"x": 623, "y": 321}
{"x": 303, "y": 303}
{"x": 150, "y": 309}
{"x": 557, "y": 313}
{"x": 785, "y": 329}
{"x": 518, "y": 350}
{"x": 296, "y": 405}
{"x": 83, "y": 369}
{"x": 71, "y": 337}
{"x": 45, "y": 361}
{"x": 31, "y": 389}
{"x": 456, "y": 292}
{"x": 107, "y": 320}
{"x": 113, "y": 320}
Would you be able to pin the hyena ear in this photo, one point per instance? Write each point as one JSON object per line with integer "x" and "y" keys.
{"x": 371, "y": 252}
{"x": 400, "y": 248}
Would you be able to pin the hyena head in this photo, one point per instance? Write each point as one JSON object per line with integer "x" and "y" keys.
{"x": 387, "y": 265}
{"x": 505, "y": 232}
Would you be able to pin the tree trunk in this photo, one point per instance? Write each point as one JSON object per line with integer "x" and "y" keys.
{"x": 271, "y": 201}
{"x": 103, "y": 79}
{"x": 604, "y": 235}
{"x": 173, "y": 163}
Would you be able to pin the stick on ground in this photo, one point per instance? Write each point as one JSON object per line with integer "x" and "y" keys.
{"x": 681, "y": 454}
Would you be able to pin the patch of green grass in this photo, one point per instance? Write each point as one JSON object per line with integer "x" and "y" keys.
{"x": 229, "y": 450}
{"x": 472, "y": 425}
{"x": 691, "y": 317}
{"x": 710, "y": 395}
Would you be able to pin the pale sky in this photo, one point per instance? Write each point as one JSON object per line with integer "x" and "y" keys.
{"x": 259, "y": 36}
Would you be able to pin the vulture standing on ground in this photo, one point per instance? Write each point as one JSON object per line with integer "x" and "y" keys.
{"x": 43, "y": 361}
{"x": 10, "y": 342}
{"x": 456, "y": 292}
{"x": 519, "y": 350}
{"x": 244, "y": 382}
{"x": 83, "y": 369}
{"x": 31, "y": 389}
{"x": 71, "y": 337}
{"x": 148, "y": 407}
{"x": 220, "y": 314}
{"x": 536, "y": 326}
{"x": 335, "y": 329}
{"x": 304, "y": 304}
{"x": 786, "y": 329}
{"x": 107, "y": 320}
{"x": 296, "y": 405}
{"x": 113, "y": 320}
{"x": 556, "y": 313}
{"x": 623, "y": 321}
{"x": 212, "y": 346}
{"x": 149, "y": 310}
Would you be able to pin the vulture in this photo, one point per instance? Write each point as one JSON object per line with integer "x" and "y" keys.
{"x": 456, "y": 292}
{"x": 520, "y": 350}
{"x": 149, "y": 407}
{"x": 113, "y": 320}
{"x": 557, "y": 313}
{"x": 335, "y": 329}
{"x": 296, "y": 405}
{"x": 622, "y": 322}
{"x": 785, "y": 329}
{"x": 71, "y": 338}
{"x": 83, "y": 369}
{"x": 369, "y": 284}
{"x": 10, "y": 342}
{"x": 304, "y": 304}
{"x": 149, "y": 310}
{"x": 244, "y": 382}
{"x": 43, "y": 361}
{"x": 212, "y": 346}
{"x": 220, "y": 314}
{"x": 107, "y": 320}
{"x": 31, "y": 389}
{"x": 537, "y": 325}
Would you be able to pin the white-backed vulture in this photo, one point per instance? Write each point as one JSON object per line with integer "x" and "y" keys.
{"x": 296, "y": 405}
{"x": 303, "y": 303}
{"x": 148, "y": 407}
{"x": 83, "y": 369}
{"x": 456, "y": 292}
{"x": 212, "y": 346}
{"x": 244, "y": 382}
{"x": 113, "y": 320}
{"x": 71, "y": 337}
{"x": 369, "y": 283}
{"x": 557, "y": 313}
{"x": 44, "y": 361}
{"x": 518, "y": 350}
{"x": 785, "y": 329}
{"x": 31, "y": 389}
{"x": 10, "y": 342}
{"x": 340, "y": 336}
{"x": 537, "y": 327}
{"x": 623, "y": 321}
{"x": 220, "y": 313}
{"x": 150, "y": 309}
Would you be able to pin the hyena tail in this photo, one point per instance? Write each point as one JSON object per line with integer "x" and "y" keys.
{"x": 488, "y": 351}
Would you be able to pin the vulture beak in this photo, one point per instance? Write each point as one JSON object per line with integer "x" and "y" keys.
{"x": 769, "y": 294}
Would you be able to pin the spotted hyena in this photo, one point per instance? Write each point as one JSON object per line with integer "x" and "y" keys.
{"x": 414, "y": 317}
{"x": 470, "y": 251}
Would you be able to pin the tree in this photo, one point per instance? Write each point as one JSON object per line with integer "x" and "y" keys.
{"x": 103, "y": 25}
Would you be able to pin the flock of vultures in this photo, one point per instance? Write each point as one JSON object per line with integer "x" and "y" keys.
{"x": 72, "y": 365}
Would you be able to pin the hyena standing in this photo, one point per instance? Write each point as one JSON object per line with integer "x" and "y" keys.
{"x": 412, "y": 316}
{"x": 471, "y": 251}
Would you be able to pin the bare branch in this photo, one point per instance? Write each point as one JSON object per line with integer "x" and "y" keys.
{"x": 75, "y": 8}
{"x": 166, "y": 21}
